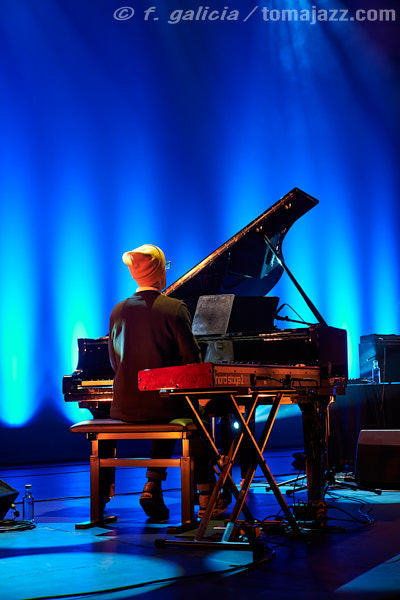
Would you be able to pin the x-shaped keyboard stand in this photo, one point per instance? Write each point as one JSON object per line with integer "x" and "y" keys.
{"x": 232, "y": 403}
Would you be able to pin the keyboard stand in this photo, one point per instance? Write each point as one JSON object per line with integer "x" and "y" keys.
{"x": 233, "y": 402}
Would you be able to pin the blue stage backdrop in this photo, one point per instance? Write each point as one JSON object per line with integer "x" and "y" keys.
{"x": 177, "y": 122}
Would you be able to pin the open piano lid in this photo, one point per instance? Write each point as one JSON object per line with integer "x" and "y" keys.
{"x": 245, "y": 265}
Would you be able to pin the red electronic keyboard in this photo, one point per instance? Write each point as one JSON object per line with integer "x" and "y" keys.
{"x": 296, "y": 380}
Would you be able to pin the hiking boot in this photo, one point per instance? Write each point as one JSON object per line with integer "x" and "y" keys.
{"x": 152, "y": 502}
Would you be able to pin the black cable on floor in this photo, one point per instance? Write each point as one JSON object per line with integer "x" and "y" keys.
{"x": 8, "y": 525}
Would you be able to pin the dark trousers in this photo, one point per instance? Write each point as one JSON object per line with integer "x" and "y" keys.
{"x": 203, "y": 469}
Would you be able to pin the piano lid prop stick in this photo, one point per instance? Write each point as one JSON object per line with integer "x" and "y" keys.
{"x": 293, "y": 279}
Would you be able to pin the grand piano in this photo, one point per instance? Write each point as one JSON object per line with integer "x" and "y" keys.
{"x": 235, "y": 321}
{"x": 234, "y": 318}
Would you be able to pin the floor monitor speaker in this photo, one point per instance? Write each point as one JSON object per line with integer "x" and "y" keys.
{"x": 378, "y": 458}
{"x": 7, "y": 497}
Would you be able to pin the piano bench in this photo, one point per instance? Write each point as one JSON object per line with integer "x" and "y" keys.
{"x": 100, "y": 430}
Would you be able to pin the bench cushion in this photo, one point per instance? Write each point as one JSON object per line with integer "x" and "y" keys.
{"x": 116, "y": 426}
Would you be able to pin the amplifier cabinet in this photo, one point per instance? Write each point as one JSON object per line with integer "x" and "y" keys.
{"x": 386, "y": 350}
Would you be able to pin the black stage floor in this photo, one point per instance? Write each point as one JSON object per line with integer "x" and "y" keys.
{"x": 355, "y": 557}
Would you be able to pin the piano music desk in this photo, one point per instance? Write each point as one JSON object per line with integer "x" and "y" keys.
{"x": 98, "y": 430}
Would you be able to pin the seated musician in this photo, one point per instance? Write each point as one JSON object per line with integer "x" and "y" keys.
{"x": 150, "y": 330}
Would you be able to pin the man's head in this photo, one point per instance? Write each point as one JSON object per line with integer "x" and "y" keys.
{"x": 147, "y": 266}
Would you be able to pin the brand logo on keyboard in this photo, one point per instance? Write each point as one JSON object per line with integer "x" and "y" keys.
{"x": 232, "y": 380}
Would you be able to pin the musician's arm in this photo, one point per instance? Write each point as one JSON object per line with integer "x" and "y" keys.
{"x": 188, "y": 347}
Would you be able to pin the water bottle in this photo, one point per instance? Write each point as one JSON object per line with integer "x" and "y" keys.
{"x": 376, "y": 372}
{"x": 27, "y": 504}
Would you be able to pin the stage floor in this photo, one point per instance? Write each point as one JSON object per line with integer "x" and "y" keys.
{"x": 356, "y": 557}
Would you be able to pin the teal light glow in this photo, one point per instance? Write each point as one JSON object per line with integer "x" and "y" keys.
{"x": 101, "y": 569}
{"x": 17, "y": 402}
{"x": 138, "y": 222}
{"x": 78, "y": 272}
{"x": 384, "y": 285}
{"x": 19, "y": 289}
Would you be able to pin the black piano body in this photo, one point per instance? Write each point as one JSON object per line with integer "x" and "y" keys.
{"x": 91, "y": 383}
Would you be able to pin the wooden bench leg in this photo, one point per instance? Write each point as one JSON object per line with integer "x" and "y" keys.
{"x": 187, "y": 490}
{"x": 188, "y": 520}
{"x": 96, "y": 512}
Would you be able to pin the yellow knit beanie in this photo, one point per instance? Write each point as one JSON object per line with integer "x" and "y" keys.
{"x": 146, "y": 264}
